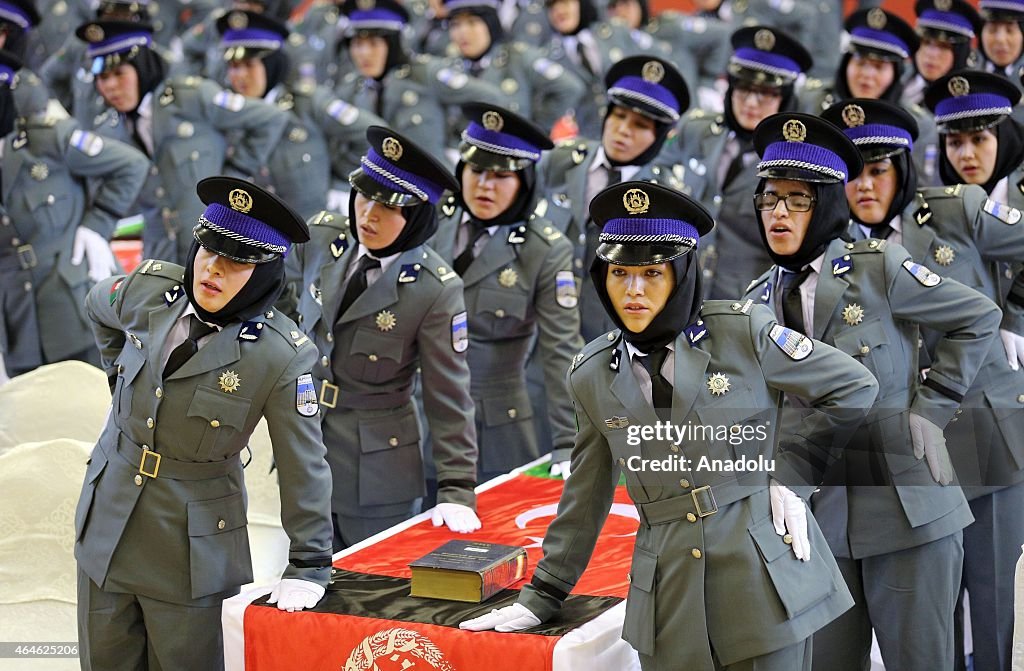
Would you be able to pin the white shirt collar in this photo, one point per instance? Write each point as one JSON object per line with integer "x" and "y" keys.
{"x": 145, "y": 108}
{"x": 634, "y": 352}
{"x": 1001, "y": 191}
{"x": 191, "y": 310}
{"x": 385, "y": 261}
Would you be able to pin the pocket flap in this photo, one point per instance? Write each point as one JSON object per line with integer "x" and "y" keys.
{"x": 130, "y": 362}
{"x": 769, "y": 543}
{"x": 36, "y": 198}
{"x": 184, "y": 152}
{"x": 388, "y": 431}
{"x": 643, "y": 570}
{"x": 206, "y": 518}
{"x": 377, "y": 343}
{"x": 731, "y": 408}
{"x": 506, "y": 302}
{"x": 211, "y": 404}
{"x": 869, "y": 334}
{"x": 507, "y": 408}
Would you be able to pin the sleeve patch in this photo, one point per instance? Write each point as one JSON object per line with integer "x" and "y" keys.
{"x": 233, "y": 102}
{"x": 452, "y": 79}
{"x": 305, "y": 396}
{"x": 342, "y": 112}
{"x": 91, "y": 144}
{"x": 796, "y": 345}
{"x": 565, "y": 289}
{"x": 1001, "y": 211}
{"x": 114, "y": 288}
{"x": 548, "y": 69}
{"x": 921, "y": 274}
{"x": 460, "y": 332}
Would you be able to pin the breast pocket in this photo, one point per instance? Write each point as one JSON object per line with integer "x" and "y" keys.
{"x": 193, "y": 160}
{"x": 376, "y": 356}
{"x": 390, "y": 462}
{"x": 499, "y": 312}
{"x": 50, "y": 209}
{"x": 869, "y": 344}
{"x": 800, "y": 585}
{"x": 735, "y": 427}
{"x": 223, "y": 417}
{"x": 218, "y": 545}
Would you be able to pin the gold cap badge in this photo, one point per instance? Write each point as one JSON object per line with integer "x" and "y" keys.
{"x": 653, "y": 72}
{"x": 636, "y": 201}
{"x": 493, "y": 121}
{"x": 764, "y": 40}
{"x": 238, "y": 20}
{"x": 877, "y": 18}
{"x": 392, "y": 149}
{"x": 959, "y": 86}
{"x": 94, "y": 33}
{"x": 943, "y": 5}
{"x": 240, "y": 200}
{"x": 794, "y": 131}
{"x": 853, "y": 116}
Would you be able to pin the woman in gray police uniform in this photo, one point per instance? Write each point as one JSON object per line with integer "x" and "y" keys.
{"x": 884, "y": 516}
{"x": 179, "y": 122}
{"x": 971, "y": 236}
{"x": 715, "y": 579}
{"x": 196, "y": 358}
{"x": 519, "y": 287}
{"x": 54, "y": 226}
{"x": 380, "y": 304}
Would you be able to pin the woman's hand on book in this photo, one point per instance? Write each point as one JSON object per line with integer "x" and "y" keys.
{"x": 459, "y": 518}
{"x": 510, "y": 618}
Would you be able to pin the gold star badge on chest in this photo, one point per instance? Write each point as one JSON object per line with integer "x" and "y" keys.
{"x": 853, "y": 314}
{"x": 386, "y": 320}
{"x": 229, "y": 381}
{"x": 944, "y": 255}
{"x": 40, "y": 171}
{"x": 718, "y": 384}
{"x": 508, "y": 277}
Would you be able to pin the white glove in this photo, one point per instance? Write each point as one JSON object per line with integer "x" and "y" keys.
{"x": 930, "y": 443}
{"x": 789, "y": 515}
{"x": 510, "y": 618}
{"x": 96, "y": 250}
{"x": 457, "y": 517}
{"x": 1014, "y": 346}
{"x": 292, "y": 594}
{"x": 560, "y": 468}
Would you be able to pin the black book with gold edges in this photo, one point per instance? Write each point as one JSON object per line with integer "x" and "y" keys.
{"x": 470, "y": 571}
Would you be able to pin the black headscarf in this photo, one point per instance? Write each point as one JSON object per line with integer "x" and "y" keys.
{"x": 257, "y": 296}
{"x": 1009, "y": 154}
{"x": 490, "y": 17}
{"x": 396, "y": 54}
{"x": 276, "y": 64}
{"x": 420, "y": 224}
{"x": 517, "y": 211}
{"x": 746, "y": 137}
{"x": 889, "y": 95}
{"x": 151, "y": 70}
{"x": 588, "y": 15}
{"x": 905, "y": 192}
{"x": 7, "y": 111}
{"x": 680, "y": 309}
{"x": 829, "y": 221}
{"x": 961, "y": 54}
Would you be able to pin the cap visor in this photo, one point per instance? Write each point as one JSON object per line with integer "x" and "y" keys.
{"x": 231, "y": 249}
{"x": 374, "y": 190}
{"x": 640, "y": 255}
{"x": 482, "y": 158}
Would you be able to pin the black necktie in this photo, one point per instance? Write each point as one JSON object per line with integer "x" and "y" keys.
{"x": 882, "y": 232}
{"x": 581, "y": 51}
{"x": 197, "y": 329}
{"x": 792, "y": 306}
{"x": 661, "y": 389}
{"x": 463, "y": 260}
{"x": 357, "y": 283}
{"x": 133, "y": 117}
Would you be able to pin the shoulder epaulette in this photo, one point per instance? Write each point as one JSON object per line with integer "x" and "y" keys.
{"x": 596, "y": 345}
{"x": 735, "y": 308}
{"x": 165, "y": 269}
{"x": 328, "y": 218}
{"x": 544, "y": 230}
{"x": 437, "y": 267}
{"x": 869, "y": 246}
{"x": 286, "y": 328}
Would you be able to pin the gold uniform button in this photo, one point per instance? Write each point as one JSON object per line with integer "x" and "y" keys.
{"x": 622, "y": 462}
{"x": 215, "y": 423}
{"x": 138, "y": 480}
{"x": 611, "y": 336}
{"x": 512, "y": 413}
{"x": 865, "y": 349}
{"x": 150, "y": 423}
{"x": 221, "y": 524}
{"x": 159, "y": 392}
{"x": 120, "y": 368}
{"x": 372, "y": 357}
{"x": 330, "y": 337}
{"x": 1020, "y": 399}
{"x": 697, "y": 554}
{"x": 674, "y": 448}
{"x": 849, "y": 245}
{"x": 499, "y": 313}
{"x": 324, "y": 361}
{"x": 787, "y": 539}
{"x": 690, "y": 517}
{"x": 392, "y": 441}
{"x": 684, "y": 483}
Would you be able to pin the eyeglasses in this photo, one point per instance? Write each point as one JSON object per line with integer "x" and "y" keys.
{"x": 759, "y": 95}
{"x": 795, "y": 202}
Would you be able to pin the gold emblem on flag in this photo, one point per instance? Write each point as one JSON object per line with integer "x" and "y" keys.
{"x": 493, "y": 121}
{"x": 764, "y": 40}
{"x": 391, "y": 148}
{"x": 944, "y": 255}
{"x": 853, "y": 314}
{"x": 959, "y": 86}
{"x": 238, "y": 21}
{"x": 853, "y": 116}
{"x": 386, "y": 320}
{"x": 653, "y": 72}
{"x": 402, "y": 648}
{"x": 40, "y": 171}
{"x": 229, "y": 381}
{"x": 718, "y": 384}
{"x": 94, "y": 33}
{"x": 794, "y": 131}
{"x": 877, "y": 18}
{"x": 240, "y": 200}
{"x": 636, "y": 201}
{"x": 508, "y": 277}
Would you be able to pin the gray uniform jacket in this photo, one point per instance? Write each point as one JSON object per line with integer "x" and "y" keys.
{"x": 180, "y": 535}
{"x": 532, "y": 84}
{"x": 817, "y": 96}
{"x": 57, "y": 177}
{"x": 563, "y": 173}
{"x": 322, "y": 27}
{"x": 700, "y": 46}
{"x": 412, "y": 316}
{"x": 520, "y": 287}
{"x": 733, "y": 253}
{"x": 61, "y": 19}
{"x": 190, "y": 117}
{"x": 706, "y": 536}
{"x": 413, "y": 98}
{"x": 961, "y": 234}
{"x": 870, "y": 299}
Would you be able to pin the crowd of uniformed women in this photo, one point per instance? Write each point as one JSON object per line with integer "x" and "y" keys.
{"x": 445, "y": 156}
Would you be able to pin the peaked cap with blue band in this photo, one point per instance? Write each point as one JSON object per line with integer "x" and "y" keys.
{"x": 648, "y": 85}
{"x": 878, "y": 128}
{"x": 947, "y": 20}
{"x": 113, "y": 42}
{"x": 970, "y": 100}
{"x": 881, "y": 34}
{"x": 453, "y": 6}
{"x": 245, "y": 223}
{"x": 246, "y": 34}
{"x": 498, "y": 139}
{"x": 20, "y": 13}
{"x": 765, "y": 56}
{"x": 644, "y": 223}
{"x": 9, "y": 66}
{"x": 1001, "y": 10}
{"x": 396, "y": 172}
{"x": 374, "y": 17}
{"x": 805, "y": 148}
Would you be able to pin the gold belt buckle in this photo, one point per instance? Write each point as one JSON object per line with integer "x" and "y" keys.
{"x": 697, "y": 504}
{"x": 146, "y": 452}
{"x": 27, "y": 257}
{"x": 326, "y": 387}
